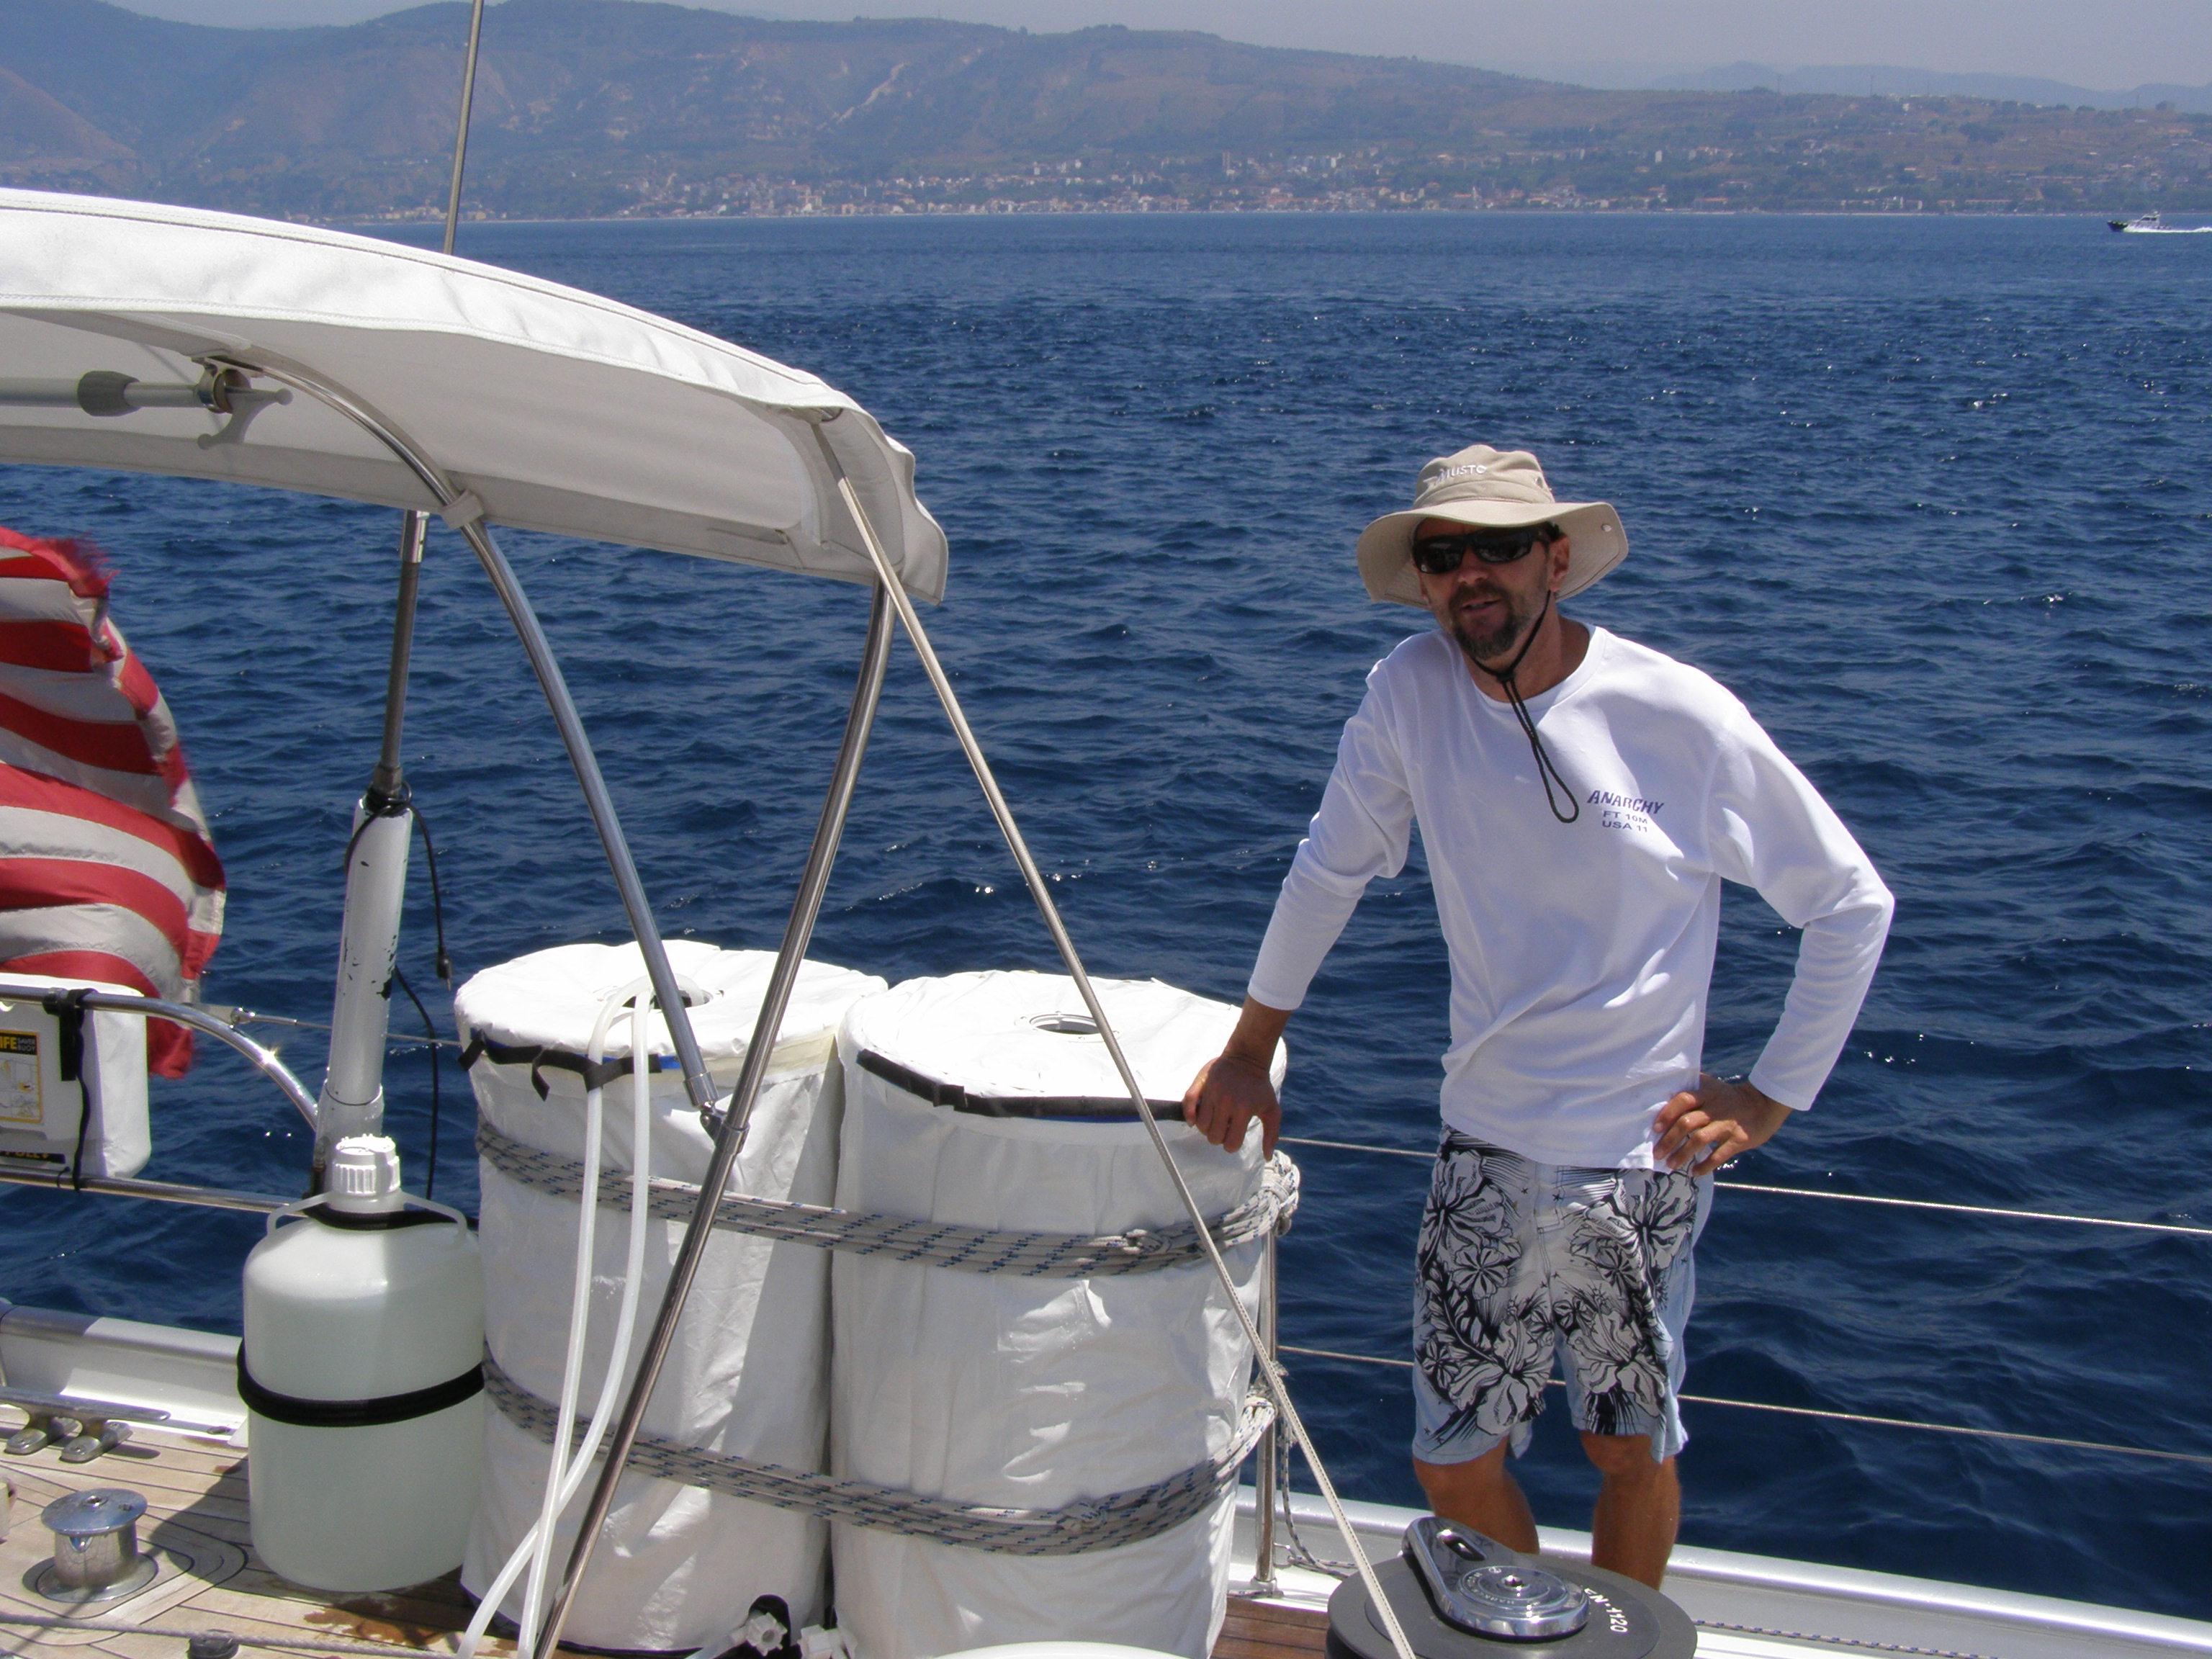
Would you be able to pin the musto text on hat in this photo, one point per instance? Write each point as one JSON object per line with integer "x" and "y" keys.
{"x": 1494, "y": 489}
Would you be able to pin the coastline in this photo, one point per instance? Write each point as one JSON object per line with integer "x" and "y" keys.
{"x": 1008, "y": 208}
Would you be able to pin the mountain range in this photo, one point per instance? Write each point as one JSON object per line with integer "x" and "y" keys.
{"x": 1871, "y": 78}
{"x": 599, "y": 107}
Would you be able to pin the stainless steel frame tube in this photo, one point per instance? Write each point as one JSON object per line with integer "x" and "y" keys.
{"x": 730, "y": 1137}
{"x": 539, "y": 650}
{"x": 162, "y": 1192}
{"x": 1264, "y": 1482}
{"x": 1278, "y": 1390}
{"x": 184, "y": 1013}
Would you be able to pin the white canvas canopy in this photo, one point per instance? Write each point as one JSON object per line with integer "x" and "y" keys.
{"x": 557, "y": 409}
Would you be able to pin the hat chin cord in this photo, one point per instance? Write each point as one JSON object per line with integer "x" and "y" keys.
{"x": 1547, "y": 773}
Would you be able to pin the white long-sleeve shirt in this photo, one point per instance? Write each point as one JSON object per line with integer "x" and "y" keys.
{"x": 1582, "y": 954}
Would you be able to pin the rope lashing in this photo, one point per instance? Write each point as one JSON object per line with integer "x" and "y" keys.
{"x": 905, "y": 1238}
{"x": 1076, "y": 1528}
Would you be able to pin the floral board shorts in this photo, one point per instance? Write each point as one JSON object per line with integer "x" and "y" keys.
{"x": 1520, "y": 1263}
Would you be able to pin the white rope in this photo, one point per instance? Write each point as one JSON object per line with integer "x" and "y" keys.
{"x": 907, "y": 1238}
{"x": 1075, "y": 1528}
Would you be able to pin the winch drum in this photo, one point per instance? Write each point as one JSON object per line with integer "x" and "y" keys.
{"x": 1628, "y": 1620}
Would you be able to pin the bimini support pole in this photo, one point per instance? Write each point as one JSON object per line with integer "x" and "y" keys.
{"x": 539, "y": 649}
{"x": 1277, "y": 1388}
{"x": 1267, "y": 1461}
{"x": 464, "y": 512}
{"x": 352, "y": 1101}
{"x": 730, "y": 1133}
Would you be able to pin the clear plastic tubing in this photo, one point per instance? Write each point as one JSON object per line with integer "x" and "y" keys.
{"x": 564, "y": 1477}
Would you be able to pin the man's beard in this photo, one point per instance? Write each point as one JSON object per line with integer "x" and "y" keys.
{"x": 1488, "y": 645}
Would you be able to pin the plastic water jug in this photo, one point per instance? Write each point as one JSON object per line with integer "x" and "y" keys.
{"x": 361, "y": 1373}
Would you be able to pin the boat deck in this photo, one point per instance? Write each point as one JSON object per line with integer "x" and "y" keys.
{"x": 209, "y": 1579}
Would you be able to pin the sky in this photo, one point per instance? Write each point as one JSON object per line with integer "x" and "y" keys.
{"x": 2117, "y": 44}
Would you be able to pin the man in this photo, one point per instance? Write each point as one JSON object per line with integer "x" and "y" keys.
{"x": 1580, "y": 799}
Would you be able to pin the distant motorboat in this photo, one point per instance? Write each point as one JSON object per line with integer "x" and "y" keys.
{"x": 2151, "y": 224}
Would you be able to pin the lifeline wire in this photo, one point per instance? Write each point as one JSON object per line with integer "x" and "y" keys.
{"x": 1814, "y": 1192}
{"x": 889, "y": 584}
{"x": 1827, "y": 1416}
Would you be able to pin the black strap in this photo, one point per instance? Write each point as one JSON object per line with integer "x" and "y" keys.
{"x": 536, "y": 1059}
{"x": 68, "y": 1008}
{"x": 354, "y": 1414}
{"x": 1546, "y": 771}
{"x": 952, "y": 1095}
{"x": 376, "y": 1221}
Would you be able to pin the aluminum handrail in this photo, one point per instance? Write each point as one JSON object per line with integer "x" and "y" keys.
{"x": 1841, "y": 1198}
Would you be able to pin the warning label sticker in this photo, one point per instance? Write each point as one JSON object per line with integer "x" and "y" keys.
{"x": 19, "y": 1079}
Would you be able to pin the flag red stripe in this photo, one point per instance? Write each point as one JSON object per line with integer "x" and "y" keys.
{"x": 80, "y": 915}
{"x": 138, "y": 685}
{"x": 113, "y": 747}
{"x": 45, "y": 884}
{"x": 199, "y": 945}
{"x": 64, "y": 647}
{"x": 41, "y": 794}
{"x": 71, "y": 562}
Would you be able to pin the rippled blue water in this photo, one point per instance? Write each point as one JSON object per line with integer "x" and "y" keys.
{"x": 1932, "y": 496}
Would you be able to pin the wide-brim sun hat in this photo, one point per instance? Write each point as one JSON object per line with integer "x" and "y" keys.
{"x": 1489, "y": 489}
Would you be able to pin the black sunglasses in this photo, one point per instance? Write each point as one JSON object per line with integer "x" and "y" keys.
{"x": 1439, "y": 555}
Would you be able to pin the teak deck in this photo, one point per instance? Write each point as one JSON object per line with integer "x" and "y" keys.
{"x": 210, "y": 1579}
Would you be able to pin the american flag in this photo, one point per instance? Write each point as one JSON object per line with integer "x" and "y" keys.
{"x": 106, "y": 868}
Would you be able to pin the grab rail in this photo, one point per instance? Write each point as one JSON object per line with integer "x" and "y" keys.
{"x": 1843, "y": 1198}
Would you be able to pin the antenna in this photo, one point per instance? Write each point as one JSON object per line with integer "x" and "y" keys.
{"x": 461, "y": 129}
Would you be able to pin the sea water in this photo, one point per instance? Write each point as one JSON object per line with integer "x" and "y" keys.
{"x": 1930, "y": 495}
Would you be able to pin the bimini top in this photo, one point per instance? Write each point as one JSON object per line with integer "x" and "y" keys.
{"x": 556, "y": 409}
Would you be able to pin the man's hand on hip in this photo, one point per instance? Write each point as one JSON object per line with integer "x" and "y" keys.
{"x": 1697, "y": 1133}
{"x": 1237, "y": 1086}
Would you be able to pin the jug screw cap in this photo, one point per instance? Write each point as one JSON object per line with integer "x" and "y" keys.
{"x": 363, "y": 1176}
